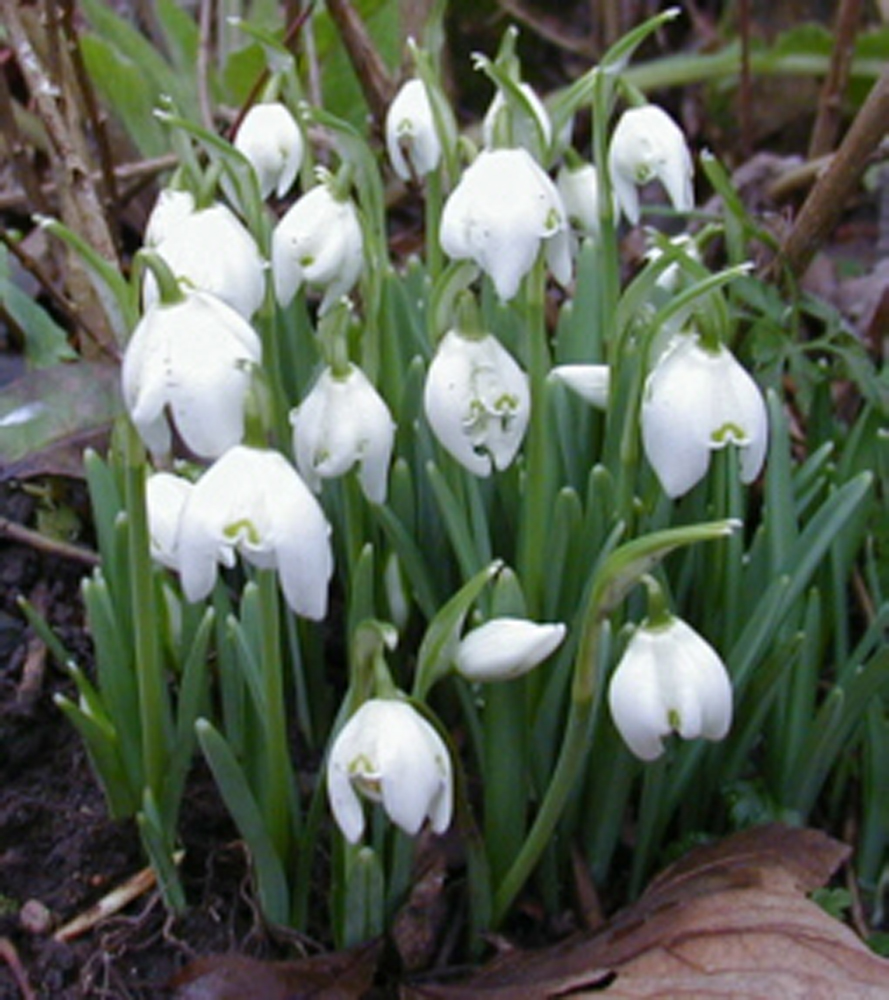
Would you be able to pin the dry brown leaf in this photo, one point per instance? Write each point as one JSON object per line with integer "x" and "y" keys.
{"x": 343, "y": 975}
{"x": 729, "y": 920}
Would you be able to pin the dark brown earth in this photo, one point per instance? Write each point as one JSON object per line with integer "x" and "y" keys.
{"x": 59, "y": 852}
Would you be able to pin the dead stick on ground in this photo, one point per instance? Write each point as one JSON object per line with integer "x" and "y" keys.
{"x": 827, "y": 199}
{"x": 112, "y": 903}
{"x": 11, "y": 957}
{"x": 64, "y": 550}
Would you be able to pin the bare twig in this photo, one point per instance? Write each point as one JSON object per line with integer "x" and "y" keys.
{"x": 35, "y": 269}
{"x": 376, "y": 82}
{"x": 81, "y": 206}
{"x": 827, "y": 123}
{"x": 9, "y": 955}
{"x": 553, "y": 29}
{"x": 822, "y": 208}
{"x": 19, "y": 157}
{"x": 290, "y": 36}
{"x": 64, "y": 550}
{"x": 96, "y": 119}
{"x": 745, "y": 91}
{"x": 114, "y": 902}
{"x": 205, "y": 22}
{"x": 138, "y": 172}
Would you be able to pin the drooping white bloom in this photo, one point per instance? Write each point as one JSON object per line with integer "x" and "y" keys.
{"x": 697, "y": 400}
{"x": 170, "y": 208}
{"x": 272, "y": 141}
{"x": 253, "y": 501}
{"x": 591, "y": 382}
{"x": 522, "y": 128}
{"x": 477, "y": 401}
{"x": 504, "y": 648}
{"x": 165, "y": 496}
{"x": 503, "y": 211}
{"x": 647, "y": 145}
{"x": 318, "y": 242}
{"x": 579, "y": 189}
{"x": 390, "y": 754}
{"x": 669, "y": 679}
{"x": 212, "y": 251}
{"x": 411, "y": 138}
{"x": 343, "y": 421}
{"x": 194, "y": 358}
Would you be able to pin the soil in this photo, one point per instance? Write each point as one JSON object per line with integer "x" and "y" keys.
{"x": 59, "y": 851}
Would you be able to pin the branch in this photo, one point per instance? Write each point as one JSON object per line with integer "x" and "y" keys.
{"x": 376, "y": 82}
{"x": 823, "y": 207}
{"x": 827, "y": 124}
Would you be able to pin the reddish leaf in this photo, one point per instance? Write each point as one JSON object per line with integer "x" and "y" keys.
{"x": 344, "y": 975}
{"x": 729, "y": 920}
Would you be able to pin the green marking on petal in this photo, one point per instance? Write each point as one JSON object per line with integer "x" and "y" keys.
{"x": 729, "y": 432}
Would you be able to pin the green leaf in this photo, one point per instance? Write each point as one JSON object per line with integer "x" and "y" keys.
{"x": 439, "y": 644}
{"x": 271, "y": 879}
{"x": 156, "y": 841}
{"x": 104, "y": 753}
{"x": 46, "y": 343}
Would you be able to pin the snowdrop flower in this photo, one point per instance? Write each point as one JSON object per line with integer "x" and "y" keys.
{"x": 411, "y": 138}
{"x": 522, "y": 129}
{"x": 194, "y": 357}
{"x": 477, "y": 401}
{"x": 254, "y": 502}
{"x": 170, "y": 208}
{"x": 273, "y": 143}
{"x": 669, "y": 679}
{"x": 591, "y": 382}
{"x": 578, "y": 187}
{"x": 212, "y": 251}
{"x": 390, "y": 754}
{"x": 165, "y": 496}
{"x": 318, "y": 242}
{"x": 344, "y": 421}
{"x": 698, "y": 399}
{"x": 504, "y": 648}
{"x": 647, "y": 145}
{"x": 503, "y": 210}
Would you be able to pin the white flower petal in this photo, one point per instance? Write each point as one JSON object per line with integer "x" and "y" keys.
{"x": 319, "y": 242}
{"x": 252, "y": 499}
{"x": 669, "y": 677}
{"x": 579, "y": 189}
{"x": 342, "y": 422}
{"x": 170, "y": 208}
{"x": 272, "y": 141}
{"x": 391, "y": 754}
{"x": 647, "y": 145}
{"x": 194, "y": 356}
{"x": 591, "y": 382}
{"x": 210, "y": 250}
{"x": 165, "y": 496}
{"x": 499, "y": 215}
{"x": 697, "y": 400}
{"x": 504, "y": 648}
{"x": 477, "y": 401}
{"x": 411, "y": 136}
{"x": 522, "y": 129}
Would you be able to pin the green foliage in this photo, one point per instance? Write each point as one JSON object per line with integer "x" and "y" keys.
{"x": 565, "y": 534}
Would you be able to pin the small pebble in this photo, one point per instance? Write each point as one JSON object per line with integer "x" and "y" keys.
{"x": 35, "y": 917}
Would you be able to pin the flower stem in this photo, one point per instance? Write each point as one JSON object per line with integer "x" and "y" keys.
{"x": 279, "y": 800}
{"x": 153, "y": 707}
{"x": 536, "y": 506}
